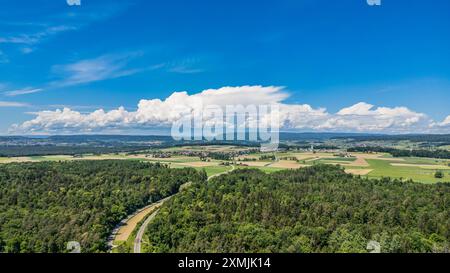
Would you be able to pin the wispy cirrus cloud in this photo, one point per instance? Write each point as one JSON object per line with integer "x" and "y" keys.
{"x": 184, "y": 66}
{"x": 23, "y": 91}
{"x": 36, "y": 37}
{"x": 92, "y": 70}
{"x": 13, "y": 104}
{"x": 185, "y": 70}
{"x": 85, "y": 71}
{"x": 27, "y": 50}
{"x": 28, "y": 35}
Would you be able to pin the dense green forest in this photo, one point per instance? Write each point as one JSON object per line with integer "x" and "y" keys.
{"x": 45, "y": 205}
{"x": 315, "y": 209}
{"x": 98, "y": 144}
{"x": 41, "y": 150}
{"x": 11, "y": 146}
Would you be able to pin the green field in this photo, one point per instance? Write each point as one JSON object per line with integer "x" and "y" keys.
{"x": 213, "y": 170}
{"x": 446, "y": 147}
{"x": 210, "y": 170}
{"x": 346, "y": 159}
{"x": 331, "y": 161}
{"x": 419, "y": 169}
{"x": 421, "y": 160}
{"x": 383, "y": 168}
{"x": 264, "y": 169}
{"x": 424, "y": 171}
{"x": 183, "y": 159}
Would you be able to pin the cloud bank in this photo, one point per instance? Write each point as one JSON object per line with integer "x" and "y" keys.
{"x": 361, "y": 117}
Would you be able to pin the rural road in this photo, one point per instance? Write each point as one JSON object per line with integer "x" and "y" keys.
{"x": 140, "y": 234}
{"x": 138, "y": 240}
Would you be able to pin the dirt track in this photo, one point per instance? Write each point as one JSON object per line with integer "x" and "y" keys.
{"x": 125, "y": 231}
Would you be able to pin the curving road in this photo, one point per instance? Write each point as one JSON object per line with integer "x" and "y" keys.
{"x": 138, "y": 240}
{"x": 140, "y": 234}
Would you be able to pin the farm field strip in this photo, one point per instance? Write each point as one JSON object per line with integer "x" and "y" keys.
{"x": 286, "y": 164}
{"x": 385, "y": 169}
{"x": 423, "y": 166}
{"x": 373, "y": 165}
{"x": 358, "y": 171}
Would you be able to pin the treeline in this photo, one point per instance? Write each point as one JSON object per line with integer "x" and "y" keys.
{"x": 76, "y": 139}
{"x": 315, "y": 209}
{"x": 221, "y": 156}
{"x": 75, "y": 148}
{"x": 271, "y": 157}
{"x": 413, "y": 138}
{"x": 40, "y": 150}
{"x": 442, "y": 154}
{"x": 43, "y": 206}
{"x": 319, "y": 147}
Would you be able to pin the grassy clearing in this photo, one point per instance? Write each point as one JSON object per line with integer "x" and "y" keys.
{"x": 264, "y": 169}
{"x": 271, "y": 169}
{"x": 175, "y": 159}
{"x": 213, "y": 170}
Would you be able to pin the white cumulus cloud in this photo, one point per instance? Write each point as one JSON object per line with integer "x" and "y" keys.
{"x": 365, "y": 117}
{"x": 445, "y": 124}
{"x": 361, "y": 117}
{"x": 446, "y": 121}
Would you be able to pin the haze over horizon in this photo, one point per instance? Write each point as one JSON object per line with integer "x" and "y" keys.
{"x": 125, "y": 67}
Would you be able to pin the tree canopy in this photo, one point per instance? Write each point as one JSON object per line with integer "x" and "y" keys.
{"x": 45, "y": 205}
{"x": 316, "y": 209}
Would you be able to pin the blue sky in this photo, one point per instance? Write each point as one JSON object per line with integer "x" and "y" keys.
{"x": 326, "y": 54}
